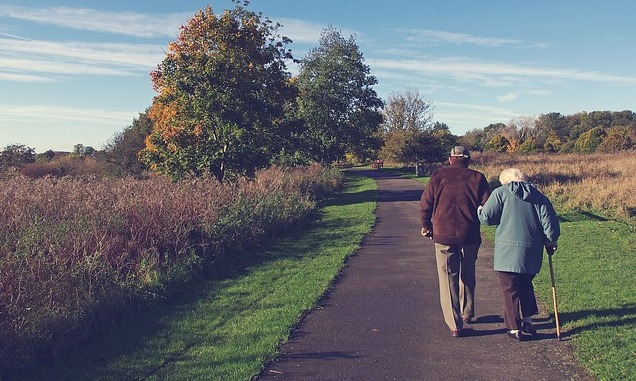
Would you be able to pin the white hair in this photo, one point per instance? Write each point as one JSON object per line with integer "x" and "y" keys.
{"x": 511, "y": 174}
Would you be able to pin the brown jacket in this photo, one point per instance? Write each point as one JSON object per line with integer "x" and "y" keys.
{"x": 449, "y": 204}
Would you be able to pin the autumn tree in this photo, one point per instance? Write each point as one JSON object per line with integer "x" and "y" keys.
{"x": 337, "y": 102}
{"x": 222, "y": 93}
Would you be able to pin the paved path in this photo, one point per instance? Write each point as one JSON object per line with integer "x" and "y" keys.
{"x": 382, "y": 320}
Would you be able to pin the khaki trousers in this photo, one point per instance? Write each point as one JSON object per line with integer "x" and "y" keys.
{"x": 456, "y": 273}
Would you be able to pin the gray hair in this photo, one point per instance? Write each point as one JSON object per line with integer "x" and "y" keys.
{"x": 511, "y": 174}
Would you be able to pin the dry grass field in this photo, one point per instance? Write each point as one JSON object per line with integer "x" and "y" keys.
{"x": 598, "y": 183}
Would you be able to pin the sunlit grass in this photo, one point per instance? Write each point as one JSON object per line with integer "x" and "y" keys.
{"x": 227, "y": 329}
{"x": 594, "y": 269}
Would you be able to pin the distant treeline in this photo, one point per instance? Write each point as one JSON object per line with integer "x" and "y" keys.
{"x": 596, "y": 131}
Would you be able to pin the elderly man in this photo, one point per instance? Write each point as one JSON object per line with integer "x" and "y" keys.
{"x": 448, "y": 212}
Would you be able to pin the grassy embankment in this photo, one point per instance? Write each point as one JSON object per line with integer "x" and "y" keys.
{"x": 595, "y": 265}
{"x": 226, "y": 329}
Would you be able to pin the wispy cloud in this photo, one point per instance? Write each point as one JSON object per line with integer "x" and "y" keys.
{"x": 477, "y": 115}
{"x": 51, "y": 114}
{"x": 19, "y": 77}
{"x": 134, "y": 55}
{"x": 28, "y": 60}
{"x": 495, "y": 74}
{"x": 14, "y": 36}
{"x": 455, "y": 38}
{"x": 125, "y": 23}
{"x": 509, "y": 97}
{"x": 307, "y": 32}
{"x": 301, "y": 31}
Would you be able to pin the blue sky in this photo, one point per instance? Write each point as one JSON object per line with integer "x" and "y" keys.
{"x": 77, "y": 72}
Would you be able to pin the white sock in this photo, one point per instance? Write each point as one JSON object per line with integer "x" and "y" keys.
{"x": 513, "y": 331}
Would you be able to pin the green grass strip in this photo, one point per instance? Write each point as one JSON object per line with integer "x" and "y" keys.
{"x": 595, "y": 269}
{"x": 227, "y": 329}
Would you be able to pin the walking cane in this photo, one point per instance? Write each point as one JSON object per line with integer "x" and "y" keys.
{"x": 550, "y": 251}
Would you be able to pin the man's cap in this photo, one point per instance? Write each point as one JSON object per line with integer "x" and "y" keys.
{"x": 459, "y": 151}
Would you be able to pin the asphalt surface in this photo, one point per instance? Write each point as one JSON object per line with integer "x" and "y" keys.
{"x": 381, "y": 320}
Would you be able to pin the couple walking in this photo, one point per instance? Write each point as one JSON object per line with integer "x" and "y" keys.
{"x": 453, "y": 205}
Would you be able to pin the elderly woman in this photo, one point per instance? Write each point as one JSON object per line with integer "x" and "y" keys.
{"x": 526, "y": 222}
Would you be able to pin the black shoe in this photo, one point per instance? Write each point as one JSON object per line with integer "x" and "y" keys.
{"x": 517, "y": 335}
{"x": 528, "y": 328}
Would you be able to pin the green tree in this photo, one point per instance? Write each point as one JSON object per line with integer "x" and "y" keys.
{"x": 337, "y": 102}
{"x": 16, "y": 155}
{"x": 444, "y": 141}
{"x": 590, "y": 140}
{"x": 600, "y": 118}
{"x": 618, "y": 138}
{"x": 223, "y": 90}
{"x": 528, "y": 146}
{"x": 552, "y": 143}
{"x": 491, "y": 130}
{"x": 551, "y": 126}
{"x": 473, "y": 140}
{"x": 45, "y": 156}
{"x": 497, "y": 143}
{"x": 78, "y": 149}
{"x": 625, "y": 118}
{"x": 412, "y": 145}
{"x": 122, "y": 150}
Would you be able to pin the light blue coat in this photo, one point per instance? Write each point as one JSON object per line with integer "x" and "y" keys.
{"x": 525, "y": 221}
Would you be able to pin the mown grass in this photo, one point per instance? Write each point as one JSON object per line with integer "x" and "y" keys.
{"x": 594, "y": 276}
{"x": 228, "y": 328}
{"x": 595, "y": 263}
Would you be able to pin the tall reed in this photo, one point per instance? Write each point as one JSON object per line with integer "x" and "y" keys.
{"x": 74, "y": 253}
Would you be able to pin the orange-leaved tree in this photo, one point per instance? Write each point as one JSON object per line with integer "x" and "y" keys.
{"x": 222, "y": 92}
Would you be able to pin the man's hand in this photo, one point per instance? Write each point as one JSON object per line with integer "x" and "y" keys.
{"x": 427, "y": 233}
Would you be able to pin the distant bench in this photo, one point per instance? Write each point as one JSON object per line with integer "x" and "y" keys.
{"x": 378, "y": 164}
